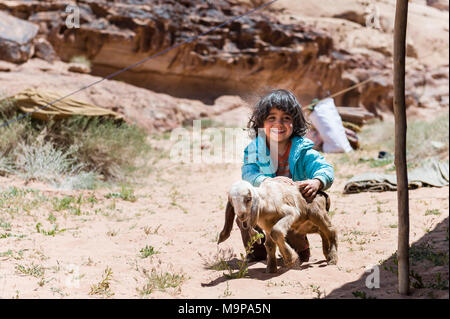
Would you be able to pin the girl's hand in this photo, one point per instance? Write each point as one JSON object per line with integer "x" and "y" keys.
{"x": 282, "y": 179}
{"x": 309, "y": 188}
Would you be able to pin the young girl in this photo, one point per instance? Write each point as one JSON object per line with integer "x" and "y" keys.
{"x": 279, "y": 151}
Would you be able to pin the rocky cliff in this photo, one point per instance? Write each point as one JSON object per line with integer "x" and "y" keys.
{"x": 267, "y": 49}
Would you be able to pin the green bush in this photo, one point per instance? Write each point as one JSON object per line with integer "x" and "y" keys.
{"x": 69, "y": 152}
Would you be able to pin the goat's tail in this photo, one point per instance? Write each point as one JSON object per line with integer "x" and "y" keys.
{"x": 229, "y": 218}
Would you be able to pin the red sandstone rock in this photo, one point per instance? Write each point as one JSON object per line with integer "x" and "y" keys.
{"x": 16, "y": 38}
{"x": 298, "y": 47}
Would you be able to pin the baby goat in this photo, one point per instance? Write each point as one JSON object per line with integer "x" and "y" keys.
{"x": 277, "y": 208}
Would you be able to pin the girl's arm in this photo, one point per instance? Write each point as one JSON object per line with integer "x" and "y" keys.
{"x": 315, "y": 166}
{"x": 251, "y": 172}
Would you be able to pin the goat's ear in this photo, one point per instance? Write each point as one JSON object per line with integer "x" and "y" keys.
{"x": 229, "y": 218}
{"x": 254, "y": 211}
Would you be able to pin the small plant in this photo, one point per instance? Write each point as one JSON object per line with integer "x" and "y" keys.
{"x": 64, "y": 203}
{"x": 174, "y": 195}
{"x": 81, "y": 59}
{"x": 6, "y": 226}
{"x": 13, "y": 254}
{"x": 148, "y": 251}
{"x": 5, "y": 235}
{"x": 361, "y": 294}
{"x": 148, "y": 230}
{"x": 432, "y": 212}
{"x": 43, "y": 161}
{"x": 227, "y": 292}
{"x": 243, "y": 264}
{"x": 440, "y": 283}
{"x": 6, "y": 166}
{"x": 418, "y": 283}
{"x": 104, "y": 286}
{"x": 92, "y": 200}
{"x": 41, "y": 282}
{"x": 51, "y": 232}
{"x": 33, "y": 270}
{"x": 219, "y": 261}
{"x": 425, "y": 252}
{"x": 316, "y": 289}
{"x": 112, "y": 233}
{"x": 125, "y": 194}
{"x": 161, "y": 281}
{"x": 51, "y": 218}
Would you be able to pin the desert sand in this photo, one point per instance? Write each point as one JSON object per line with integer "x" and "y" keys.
{"x": 179, "y": 211}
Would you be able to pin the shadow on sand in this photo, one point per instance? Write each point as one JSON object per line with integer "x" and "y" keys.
{"x": 428, "y": 271}
{"x": 259, "y": 273}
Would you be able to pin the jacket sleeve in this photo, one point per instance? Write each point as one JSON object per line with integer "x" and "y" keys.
{"x": 251, "y": 171}
{"x": 315, "y": 166}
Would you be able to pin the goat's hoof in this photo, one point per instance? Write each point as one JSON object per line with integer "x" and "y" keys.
{"x": 292, "y": 264}
{"x": 291, "y": 261}
{"x": 271, "y": 270}
{"x": 332, "y": 259}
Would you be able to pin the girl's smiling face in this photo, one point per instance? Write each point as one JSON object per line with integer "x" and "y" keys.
{"x": 278, "y": 126}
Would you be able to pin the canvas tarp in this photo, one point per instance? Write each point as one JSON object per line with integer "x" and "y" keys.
{"x": 431, "y": 173}
{"x": 35, "y": 101}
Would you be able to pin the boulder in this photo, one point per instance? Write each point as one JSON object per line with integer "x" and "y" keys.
{"x": 7, "y": 66}
{"x": 310, "y": 47}
{"x": 16, "y": 38}
{"x": 44, "y": 50}
{"x": 247, "y": 55}
{"x": 79, "y": 68}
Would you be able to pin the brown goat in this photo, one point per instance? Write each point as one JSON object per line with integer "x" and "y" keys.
{"x": 278, "y": 208}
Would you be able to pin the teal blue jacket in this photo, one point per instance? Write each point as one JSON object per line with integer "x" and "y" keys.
{"x": 304, "y": 162}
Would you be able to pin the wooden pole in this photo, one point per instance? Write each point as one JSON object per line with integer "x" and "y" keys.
{"x": 401, "y": 16}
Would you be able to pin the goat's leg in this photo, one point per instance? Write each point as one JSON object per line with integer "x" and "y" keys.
{"x": 278, "y": 234}
{"x": 320, "y": 218}
{"x": 325, "y": 244}
{"x": 271, "y": 248}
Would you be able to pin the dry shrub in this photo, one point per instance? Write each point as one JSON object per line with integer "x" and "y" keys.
{"x": 72, "y": 150}
{"x": 425, "y": 139}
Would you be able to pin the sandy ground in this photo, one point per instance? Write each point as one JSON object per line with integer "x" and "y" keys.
{"x": 179, "y": 212}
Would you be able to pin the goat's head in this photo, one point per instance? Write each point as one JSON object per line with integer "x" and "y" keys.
{"x": 243, "y": 201}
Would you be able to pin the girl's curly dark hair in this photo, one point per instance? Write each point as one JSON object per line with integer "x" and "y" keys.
{"x": 283, "y": 100}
